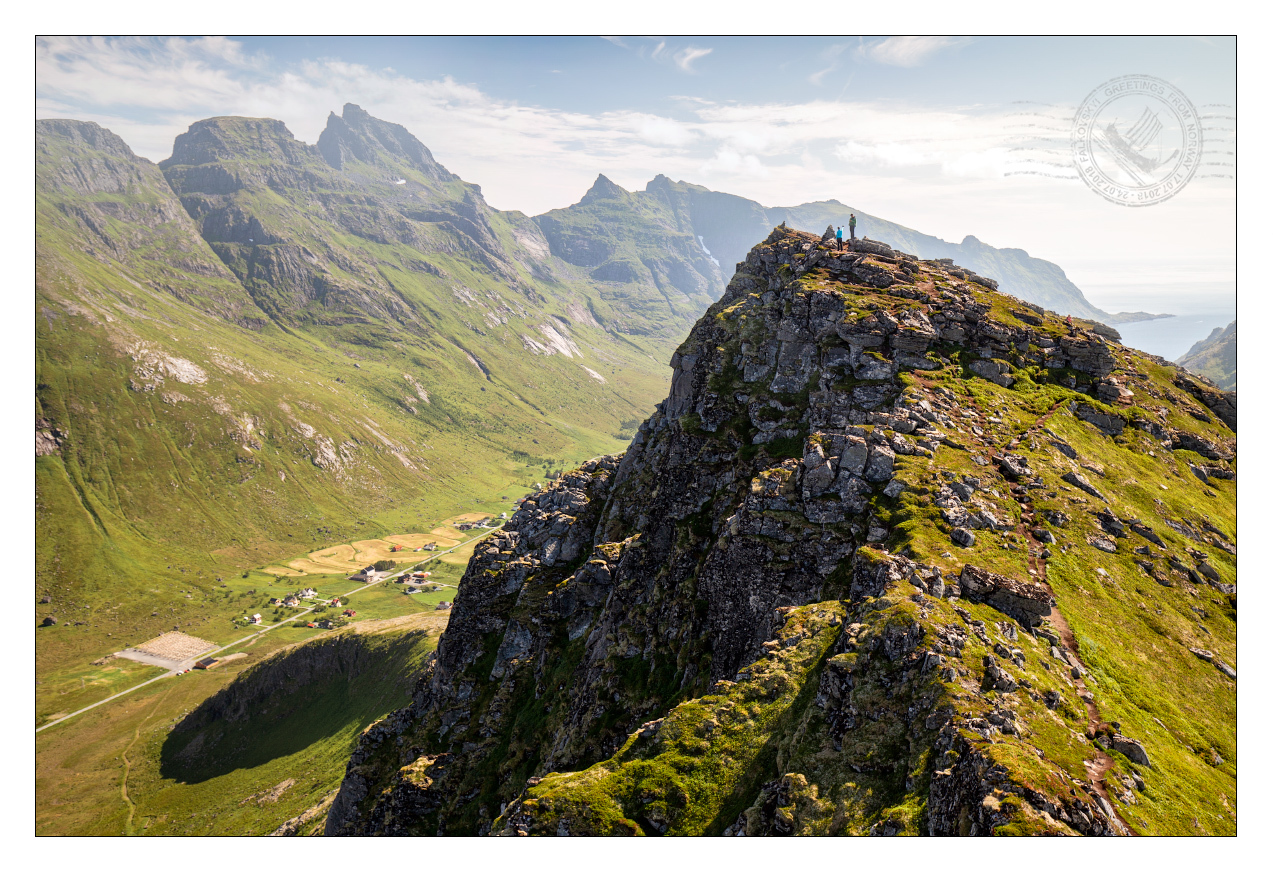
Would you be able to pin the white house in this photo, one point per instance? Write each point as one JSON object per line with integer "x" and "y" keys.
{"x": 367, "y": 574}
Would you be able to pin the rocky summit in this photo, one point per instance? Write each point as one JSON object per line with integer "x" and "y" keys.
{"x": 898, "y": 554}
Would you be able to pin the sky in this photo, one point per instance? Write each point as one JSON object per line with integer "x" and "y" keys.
{"x": 950, "y": 136}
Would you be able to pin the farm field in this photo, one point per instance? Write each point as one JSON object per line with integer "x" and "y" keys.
{"x": 223, "y": 609}
{"x": 352, "y": 557}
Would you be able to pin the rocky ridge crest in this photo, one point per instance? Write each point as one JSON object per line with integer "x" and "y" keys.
{"x": 753, "y": 622}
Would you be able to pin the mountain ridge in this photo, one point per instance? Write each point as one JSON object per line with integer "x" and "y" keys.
{"x": 881, "y": 562}
{"x": 728, "y": 225}
{"x": 1215, "y": 357}
{"x": 263, "y": 333}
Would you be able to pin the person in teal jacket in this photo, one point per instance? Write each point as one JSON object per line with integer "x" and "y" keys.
{"x": 853, "y": 223}
{"x": 839, "y": 237}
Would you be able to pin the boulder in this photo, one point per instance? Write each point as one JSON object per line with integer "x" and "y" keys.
{"x": 1181, "y": 439}
{"x": 1065, "y": 449}
{"x": 961, "y": 536}
{"x": 995, "y": 371}
{"x": 1027, "y": 602}
{"x": 1110, "y": 523}
{"x": 1145, "y": 531}
{"x": 868, "y": 246}
{"x": 1014, "y": 467}
{"x": 996, "y": 677}
{"x": 1083, "y": 485}
{"x": 1106, "y": 423}
{"x": 1105, "y": 544}
{"x": 1130, "y": 748}
{"x": 1111, "y": 391}
{"x": 879, "y": 464}
{"x": 1088, "y": 354}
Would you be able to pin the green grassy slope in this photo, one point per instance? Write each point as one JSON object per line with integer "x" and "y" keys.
{"x": 237, "y": 750}
{"x": 191, "y": 426}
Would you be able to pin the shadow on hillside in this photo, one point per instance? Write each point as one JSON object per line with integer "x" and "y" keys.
{"x": 287, "y": 704}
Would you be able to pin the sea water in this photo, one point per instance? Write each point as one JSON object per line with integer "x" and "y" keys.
{"x": 1172, "y": 337}
{"x": 1197, "y": 306}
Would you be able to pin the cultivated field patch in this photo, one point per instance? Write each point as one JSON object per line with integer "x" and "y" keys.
{"x": 346, "y": 558}
{"x": 175, "y": 646}
{"x": 419, "y": 540}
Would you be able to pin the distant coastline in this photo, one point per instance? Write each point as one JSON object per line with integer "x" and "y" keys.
{"x": 1133, "y": 317}
{"x": 1172, "y": 337}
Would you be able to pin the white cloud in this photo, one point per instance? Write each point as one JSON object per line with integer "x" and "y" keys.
{"x": 731, "y": 162}
{"x": 664, "y": 52}
{"x": 907, "y": 51}
{"x": 688, "y": 55}
{"x": 830, "y": 57}
{"x": 663, "y": 131}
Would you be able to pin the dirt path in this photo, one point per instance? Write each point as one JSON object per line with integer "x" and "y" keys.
{"x": 1038, "y": 423}
{"x": 1096, "y": 769}
{"x": 123, "y": 782}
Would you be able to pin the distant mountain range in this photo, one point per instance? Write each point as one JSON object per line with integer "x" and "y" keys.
{"x": 260, "y": 343}
{"x": 626, "y": 236}
{"x": 261, "y": 347}
{"x": 1215, "y": 357}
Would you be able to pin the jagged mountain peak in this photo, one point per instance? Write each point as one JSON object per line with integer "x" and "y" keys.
{"x": 603, "y": 189}
{"x": 661, "y": 183}
{"x": 356, "y": 135}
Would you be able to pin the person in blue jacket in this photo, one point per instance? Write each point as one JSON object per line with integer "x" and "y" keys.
{"x": 839, "y": 237}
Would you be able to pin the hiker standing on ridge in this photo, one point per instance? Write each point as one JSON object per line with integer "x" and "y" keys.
{"x": 853, "y": 223}
{"x": 839, "y": 237}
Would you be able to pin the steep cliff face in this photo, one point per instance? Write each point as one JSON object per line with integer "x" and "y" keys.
{"x": 869, "y": 568}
